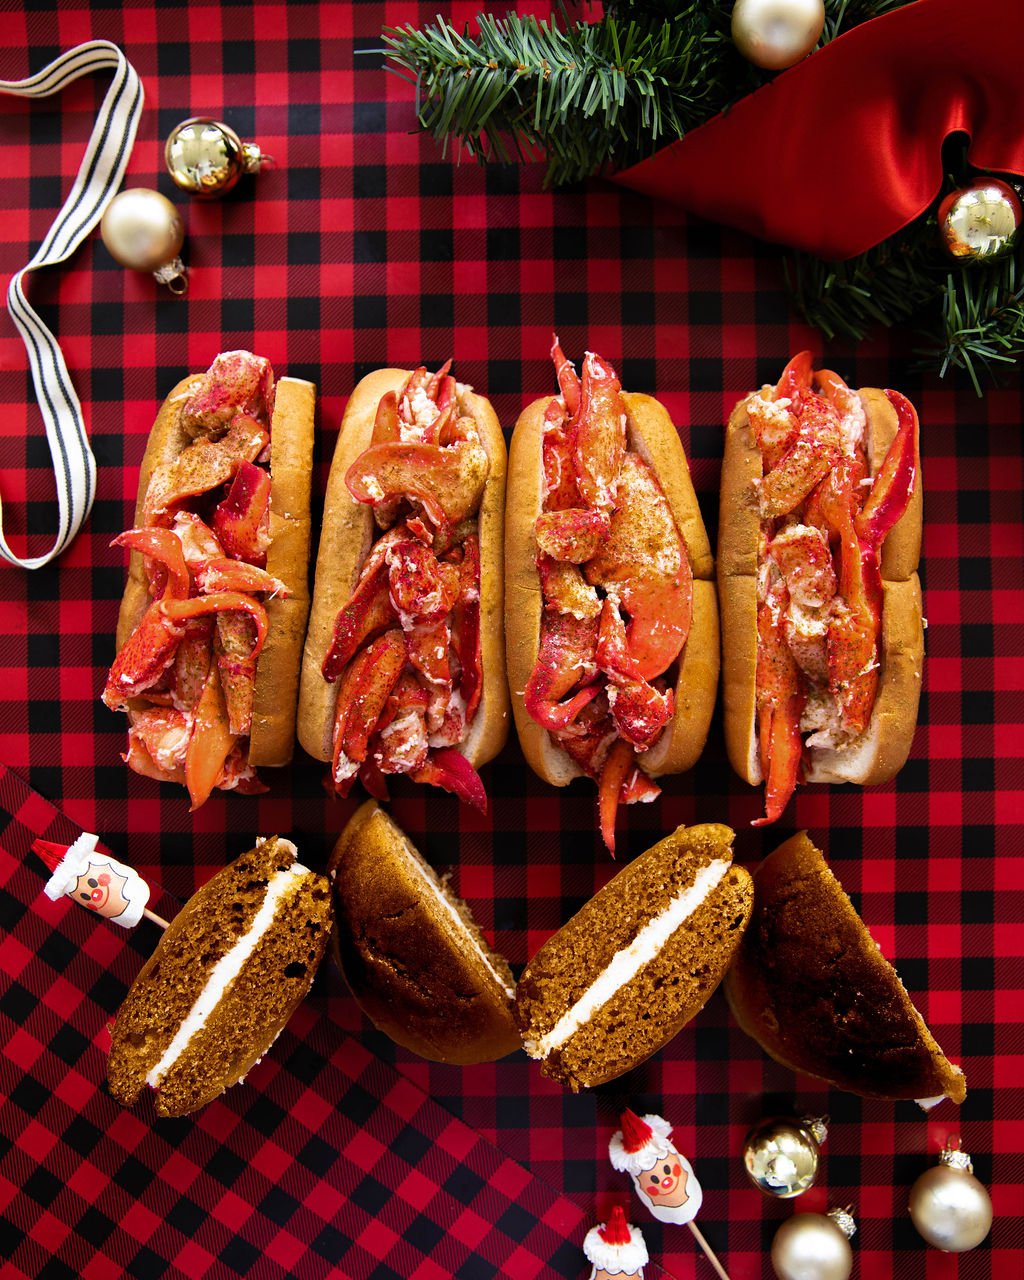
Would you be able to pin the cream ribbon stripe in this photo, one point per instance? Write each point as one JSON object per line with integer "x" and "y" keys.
{"x": 99, "y": 177}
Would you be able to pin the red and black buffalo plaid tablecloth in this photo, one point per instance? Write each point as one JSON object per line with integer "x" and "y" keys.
{"x": 344, "y": 1156}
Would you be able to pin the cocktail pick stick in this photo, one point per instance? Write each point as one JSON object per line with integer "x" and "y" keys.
{"x": 698, "y": 1235}
{"x": 664, "y": 1179}
{"x": 96, "y": 881}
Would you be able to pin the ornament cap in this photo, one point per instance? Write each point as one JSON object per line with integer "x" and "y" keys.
{"x": 818, "y": 1125}
{"x": 954, "y": 1157}
{"x": 844, "y": 1220}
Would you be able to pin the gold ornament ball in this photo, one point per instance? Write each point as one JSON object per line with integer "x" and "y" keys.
{"x": 206, "y": 158}
{"x": 144, "y": 231}
{"x": 775, "y": 34}
{"x": 980, "y": 220}
{"x": 813, "y": 1246}
{"x": 949, "y": 1206}
{"x": 781, "y": 1156}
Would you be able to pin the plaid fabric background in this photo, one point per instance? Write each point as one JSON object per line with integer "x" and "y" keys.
{"x": 364, "y": 246}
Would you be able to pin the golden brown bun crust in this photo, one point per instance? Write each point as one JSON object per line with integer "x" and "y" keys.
{"x": 810, "y": 985}
{"x": 652, "y": 434}
{"x": 883, "y": 749}
{"x": 345, "y": 540}
{"x": 276, "y": 692}
{"x": 272, "y": 739}
{"x": 414, "y": 971}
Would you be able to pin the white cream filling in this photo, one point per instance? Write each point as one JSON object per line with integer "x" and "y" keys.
{"x": 227, "y": 969}
{"x": 627, "y": 963}
{"x": 458, "y": 921}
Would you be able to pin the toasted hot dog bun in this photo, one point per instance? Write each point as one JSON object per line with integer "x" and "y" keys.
{"x": 651, "y": 433}
{"x": 272, "y": 737}
{"x": 882, "y": 750}
{"x": 345, "y": 541}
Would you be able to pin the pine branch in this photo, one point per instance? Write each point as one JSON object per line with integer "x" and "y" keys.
{"x": 982, "y": 309}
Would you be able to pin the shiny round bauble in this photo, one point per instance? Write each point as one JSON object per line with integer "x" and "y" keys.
{"x": 781, "y": 1156}
{"x": 814, "y": 1246}
{"x": 144, "y": 231}
{"x": 980, "y": 220}
{"x": 775, "y": 34}
{"x": 949, "y": 1206}
{"x": 206, "y": 158}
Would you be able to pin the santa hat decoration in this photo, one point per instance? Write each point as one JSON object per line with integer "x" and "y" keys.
{"x": 615, "y": 1248}
{"x": 639, "y": 1143}
{"x": 95, "y": 881}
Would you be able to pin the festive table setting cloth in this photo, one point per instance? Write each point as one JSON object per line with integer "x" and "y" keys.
{"x": 361, "y": 245}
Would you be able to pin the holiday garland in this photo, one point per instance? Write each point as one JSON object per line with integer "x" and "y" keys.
{"x": 593, "y": 96}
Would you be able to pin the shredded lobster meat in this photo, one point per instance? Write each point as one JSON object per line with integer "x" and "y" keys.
{"x": 819, "y": 584}
{"x": 406, "y": 644}
{"x": 186, "y": 673}
{"x": 617, "y": 591}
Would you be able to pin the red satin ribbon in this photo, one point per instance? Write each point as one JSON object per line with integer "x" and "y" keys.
{"x": 844, "y": 149}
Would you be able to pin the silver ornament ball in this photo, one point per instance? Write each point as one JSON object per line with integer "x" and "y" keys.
{"x": 950, "y": 1208}
{"x": 206, "y": 158}
{"x": 781, "y": 1156}
{"x": 775, "y": 34}
{"x": 814, "y": 1246}
{"x": 980, "y": 220}
{"x": 144, "y": 231}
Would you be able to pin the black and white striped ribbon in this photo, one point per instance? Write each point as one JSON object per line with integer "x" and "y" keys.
{"x": 99, "y": 177}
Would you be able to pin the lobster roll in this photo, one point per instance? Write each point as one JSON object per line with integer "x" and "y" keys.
{"x": 403, "y": 670}
{"x": 819, "y": 543}
{"x": 209, "y": 635}
{"x": 611, "y": 615}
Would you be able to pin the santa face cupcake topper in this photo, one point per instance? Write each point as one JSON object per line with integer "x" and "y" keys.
{"x": 94, "y": 880}
{"x": 664, "y": 1179}
{"x": 615, "y": 1249}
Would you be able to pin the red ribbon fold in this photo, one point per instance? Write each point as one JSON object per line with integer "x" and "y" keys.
{"x": 845, "y": 149}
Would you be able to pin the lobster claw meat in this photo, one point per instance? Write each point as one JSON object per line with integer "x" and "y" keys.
{"x": 368, "y": 611}
{"x": 164, "y": 547}
{"x": 567, "y": 658}
{"x": 447, "y": 482}
{"x": 896, "y": 479}
{"x": 816, "y": 448}
{"x": 422, "y": 589}
{"x": 452, "y": 772}
{"x": 568, "y": 381}
{"x": 210, "y": 744}
{"x": 781, "y": 696}
{"x": 233, "y": 647}
{"x": 241, "y": 521}
{"x": 362, "y": 697}
{"x": 237, "y": 381}
{"x": 204, "y": 465}
{"x": 151, "y": 647}
{"x": 600, "y": 440}
{"x": 639, "y": 711}
{"x": 222, "y": 574}
{"x": 573, "y": 534}
{"x": 618, "y": 763}
{"x": 386, "y": 427}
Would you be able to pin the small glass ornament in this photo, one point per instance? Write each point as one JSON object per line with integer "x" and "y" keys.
{"x": 781, "y": 1156}
{"x": 144, "y": 231}
{"x": 949, "y": 1207}
{"x": 814, "y": 1246}
{"x": 774, "y": 34}
{"x": 980, "y": 220}
{"x": 206, "y": 158}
